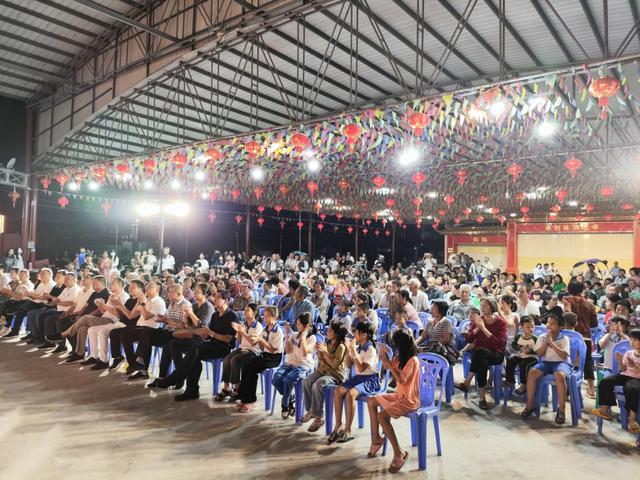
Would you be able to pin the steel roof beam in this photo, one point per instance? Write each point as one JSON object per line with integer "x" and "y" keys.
{"x": 34, "y": 13}
{"x": 33, "y": 56}
{"x": 552, "y": 30}
{"x": 20, "y": 88}
{"x": 126, "y": 20}
{"x": 75, "y": 13}
{"x": 34, "y": 43}
{"x": 24, "y": 78}
{"x": 29, "y": 69}
{"x": 41, "y": 31}
{"x": 593, "y": 24}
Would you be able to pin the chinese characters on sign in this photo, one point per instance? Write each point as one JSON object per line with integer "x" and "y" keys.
{"x": 573, "y": 227}
{"x": 480, "y": 240}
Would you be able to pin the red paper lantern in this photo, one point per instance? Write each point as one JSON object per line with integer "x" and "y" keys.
{"x": 627, "y": 206}
{"x": 553, "y": 216}
{"x": 323, "y": 216}
{"x": 299, "y": 225}
{"x": 449, "y": 199}
{"x": 63, "y": 202}
{"x": 235, "y": 194}
{"x": 253, "y": 148}
{"x": 457, "y": 220}
{"x": 283, "y": 190}
{"x": 466, "y": 212}
{"x": 320, "y": 226}
{"x": 300, "y": 141}
{"x": 606, "y": 191}
{"x": 378, "y": 181}
{"x": 526, "y": 219}
{"x": 515, "y": 169}
{"x": 556, "y": 209}
{"x": 296, "y": 208}
{"x": 384, "y": 222}
{"x": 312, "y": 187}
{"x": 258, "y": 191}
{"x": 573, "y": 164}
{"x": 45, "y": 182}
{"x": 608, "y": 217}
{"x": 502, "y": 219}
{"x": 400, "y": 221}
{"x": 260, "y": 209}
{"x": 350, "y": 230}
{"x": 122, "y": 168}
{"x": 561, "y": 194}
{"x": 520, "y": 196}
{"x": 211, "y": 216}
{"x": 524, "y": 210}
{"x": 356, "y": 216}
{"x": 483, "y": 198}
{"x": 278, "y": 209}
{"x": 260, "y": 221}
{"x": 442, "y": 213}
{"x": 213, "y": 154}
{"x": 179, "y": 160}
{"x": 62, "y": 179}
{"x": 462, "y": 175}
{"x": 343, "y": 185}
{"x": 387, "y": 233}
{"x": 282, "y": 224}
{"x": 479, "y": 219}
{"x": 376, "y": 232}
{"x": 602, "y": 89}
{"x": 213, "y": 196}
{"x": 238, "y": 219}
{"x": 14, "y": 197}
{"x": 589, "y": 208}
{"x": 418, "y": 121}
{"x": 365, "y": 230}
{"x": 339, "y": 216}
{"x": 100, "y": 173}
{"x": 417, "y": 201}
{"x": 149, "y": 165}
{"x": 317, "y": 206}
{"x": 106, "y": 207}
{"x": 418, "y": 178}
{"x": 495, "y": 211}
{"x": 390, "y": 202}
{"x": 352, "y": 132}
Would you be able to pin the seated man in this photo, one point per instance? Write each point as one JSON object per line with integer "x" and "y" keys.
{"x": 173, "y": 319}
{"x": 219, "y": 338}
{"x": 104, "y": 315}
{"x": 139, "y": 312}
{"x": 16, "y": 299}
{"x": 90, "y": 310}
{"x": 36, "y": 300}
{"x": 6, "y": 292}
{"x": 33, "y": 316}
{"x": 62, "y": 303}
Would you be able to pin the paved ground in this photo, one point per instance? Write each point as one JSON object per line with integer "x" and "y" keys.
{"x": 63, "y": 421}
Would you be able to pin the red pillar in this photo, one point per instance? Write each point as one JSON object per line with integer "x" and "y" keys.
{"x": 449, "y": 245}
{"x": 636, "y": 242}
{"x": 512, "y": 248}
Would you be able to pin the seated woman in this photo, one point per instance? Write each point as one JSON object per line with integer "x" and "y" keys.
{"x": 552, "y": 349}
{"x": 629, "y": 379}
{"x": 299, "y": 348}
{"x": 362, "y": 355}
{"x": 331, "y": 371}
{"x": 270, "y": 343}
{"x": 438, "y": 334}
{"x": 405, "y": 368}
{"x": 246, "y": 334}
{"x": 487, "y": 340}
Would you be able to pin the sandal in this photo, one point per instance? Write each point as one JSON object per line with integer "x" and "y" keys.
{"x": 634, "y": 427}
{"x": 344, "y": 438}
{"x": 222, "y": 395}
{"x": 306, "y": 417}
{"x": 599, "y": 413}
{"x": 375, "y": 448}
{"x": 483, "y": 405}
{"x": 560, "y": 418}
{"x": 520, "y": 391}
{"x": 246, "y": 408}
{"x": 292, "y": 409}
{"x": 527, "y": 412}
{"x": 397, "y": 465}
{"x": 285, "y": 413}
{"x": 334, "y": 436}
{"x": 591, "y": 395}
{"x": 315, "y": 425}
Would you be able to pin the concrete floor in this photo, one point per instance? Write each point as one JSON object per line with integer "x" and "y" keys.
{"x": 64, "y": 421}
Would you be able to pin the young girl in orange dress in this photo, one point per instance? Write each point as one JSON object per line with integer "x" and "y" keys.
{"x": 405, "y": 368}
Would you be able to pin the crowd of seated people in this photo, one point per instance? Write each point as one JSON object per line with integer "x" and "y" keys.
{"x": 330, "y": 323}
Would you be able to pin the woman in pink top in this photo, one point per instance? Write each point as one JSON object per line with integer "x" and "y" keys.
{"x": 629, "y": 379}
{"x": 405, "y": 368}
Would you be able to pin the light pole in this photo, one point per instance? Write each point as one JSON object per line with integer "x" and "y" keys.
{"x": 176, "y": 209}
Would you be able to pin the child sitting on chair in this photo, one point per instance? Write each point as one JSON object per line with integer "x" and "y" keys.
{"x": 617, "y": 333}
{"x": 524, "y": 344}
{"x": 629, "y": 379}
{"x": 553, "y": 348}
{"x": 362, "y": 355}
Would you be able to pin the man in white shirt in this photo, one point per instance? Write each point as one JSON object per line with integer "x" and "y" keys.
{"x": 524, "y": 305}
{"x": 166, "y": 262}
{"x": 34, "y": 323}
{"x": 419, "y": 299}
{"x": 62, "y": 302}
{"x": 28, "y": 298}
{"x": 149, "y": 261}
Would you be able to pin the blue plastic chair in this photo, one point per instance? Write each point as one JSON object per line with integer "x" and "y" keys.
{"x": 578, "y": 350}
{"x": 425, "y": 317}
{"x": 266, "y": 377}
{"x": 216, "y": 374}
{"x": 596, "y": 334}
{"x": 621, "y": 348}
{"x": 539, "y": 330}
{"x": 414, "y": 327}
{"x": 496, "y": 372}
{"x": 432, "y": 368}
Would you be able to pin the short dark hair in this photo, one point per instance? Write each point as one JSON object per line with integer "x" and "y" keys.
{"x": 570, "y": 319}
{"x": 635, "y": 333}
{"x": 526, "y": 319}
{"x": 253, "y": 307}
{"x": 224, "y": 295}
{"x": 138, "y": 283}
{"x": 558, "y": 318}
{"x": 575, "y": 288}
